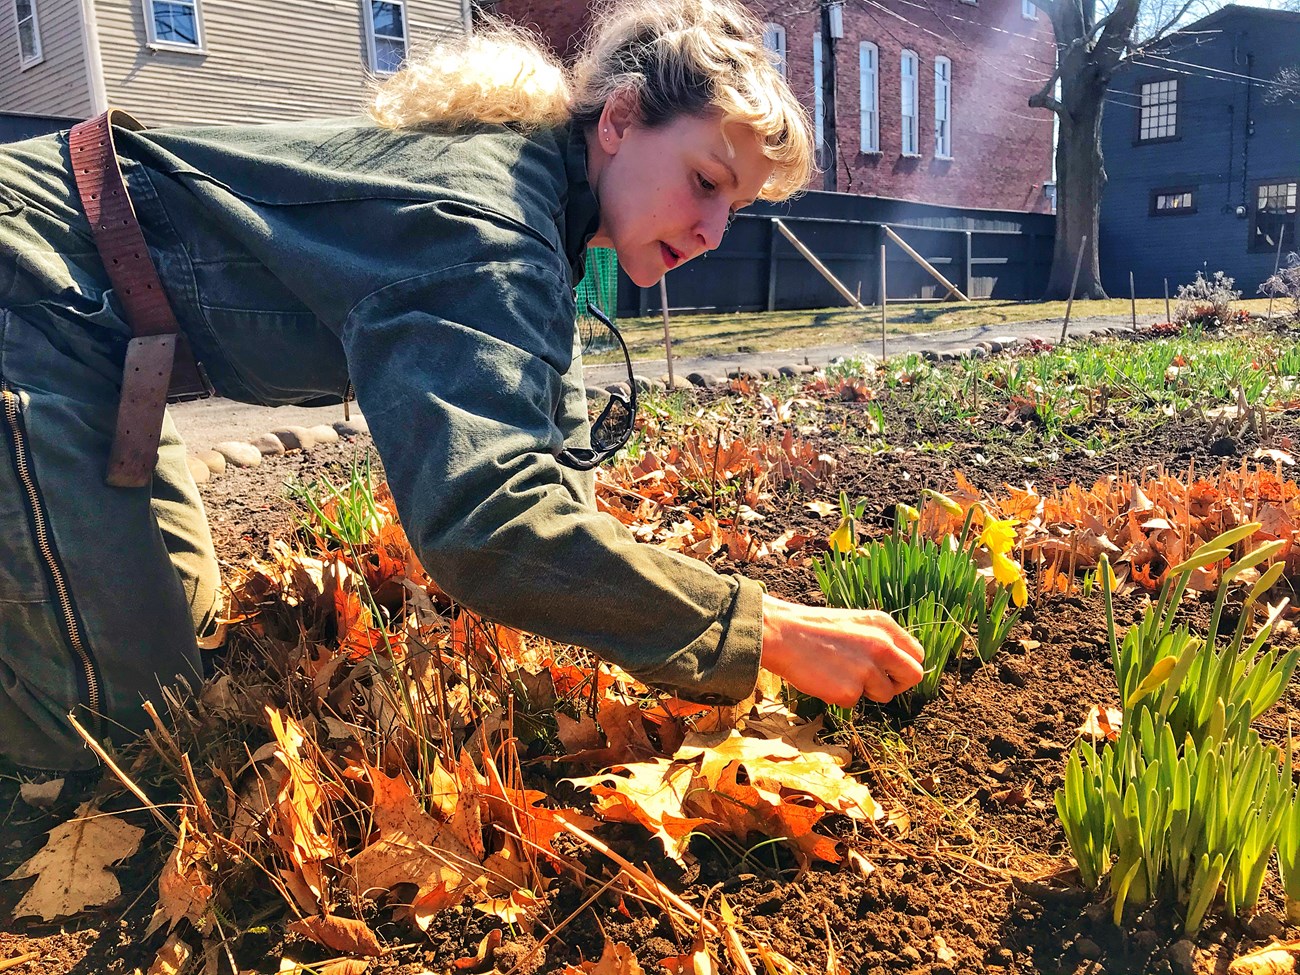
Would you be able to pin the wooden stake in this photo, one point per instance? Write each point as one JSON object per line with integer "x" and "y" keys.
{"x": 884, "y": 300}
{"x": 1078, "y": 263}
{"x": 1133, "y": 302}
{"x": 1277, "y": 264}
{"x": 1168, "y": 317}
{"x": 668, "y": 342}
{"x": 953, "y": 290}
{"x": 811, "y": 258}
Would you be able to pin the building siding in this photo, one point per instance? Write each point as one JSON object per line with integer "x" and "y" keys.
{"x": 1230, "y": 138}
{"x": 1001, "y": 148}
{"x": 56, "y": 85}
{"x": 295, "y": 59}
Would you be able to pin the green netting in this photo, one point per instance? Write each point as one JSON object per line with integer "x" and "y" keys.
{"x": 600, "y": 282}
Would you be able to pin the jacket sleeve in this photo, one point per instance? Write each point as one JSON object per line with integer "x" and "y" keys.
{"x": 461, "y": 374}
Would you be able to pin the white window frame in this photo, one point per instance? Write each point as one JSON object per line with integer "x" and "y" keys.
{"x": 1158, "y": 110}
{"x": 869, "y": 95}
{"x": 1028, "y": 9}
{"x": 368, "y": 17}
{"x": 942, "y": 108}
{"x": 151, "y": 31}
{"x": 909, "y": 129}
{"x": 774, "y": 40}
{"x": 26, "y": 61}
{"x": 819, "y": 106}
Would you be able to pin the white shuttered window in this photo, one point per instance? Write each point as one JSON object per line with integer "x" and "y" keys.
{"x": 869, "y": 69}
{"x": 819, "y": 107}
{"x": 386, "y": 34}
{"x": 29, "y": 33}
{"x": 942, "y": 108}
{"x": 174, "y": 25}
{"x": 774, "y": 40}
{"x": 908, "y": 65}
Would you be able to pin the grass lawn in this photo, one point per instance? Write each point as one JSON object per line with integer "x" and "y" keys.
{"x": 704, "y": 335}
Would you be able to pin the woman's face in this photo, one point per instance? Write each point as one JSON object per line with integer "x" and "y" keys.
{"x": 667, "y": 193}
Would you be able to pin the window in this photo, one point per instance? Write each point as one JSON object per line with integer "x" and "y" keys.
{"x": 29, "y": 33}
{"x": 819, "y": 109}
{"x": 1028, "y": 9}
{"x": 942, "y": 108}
{"x": 173, "y": 24}
{"x": 1165, "y": 203}
{"x": 869, "y": 98}
{"x": 386, "y": 34}
{"x": 910, "y": 128}
{"x": 1158, "y": 118}
{"x": 774, "y": 40}
{"x": 1274, "y": 216}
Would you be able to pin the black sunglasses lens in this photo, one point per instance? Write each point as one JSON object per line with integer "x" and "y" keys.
{"x": 613, "y": 427}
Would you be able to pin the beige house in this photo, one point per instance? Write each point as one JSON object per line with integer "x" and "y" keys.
{"x": 208, "y": 61}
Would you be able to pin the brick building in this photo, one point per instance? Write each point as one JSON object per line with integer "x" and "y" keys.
{"x": 930, "y": 97}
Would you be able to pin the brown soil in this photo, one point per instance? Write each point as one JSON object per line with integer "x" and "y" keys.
{"x": 978, "y": 882}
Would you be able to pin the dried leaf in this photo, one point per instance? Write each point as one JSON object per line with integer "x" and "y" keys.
{"x": 616, "y": 959}
{"x": 339, "y": 934}
{"x": 1102, "y": 723}
{"x": 821, "y": 509}
{"x": 519, "y": 907}
{"x": 71, "y": 870}
{"x": 184, "y": 888}
{"x": 1274, "y": 959}
{"x": 172, "y": 957}
{"x": 481, "y": 959}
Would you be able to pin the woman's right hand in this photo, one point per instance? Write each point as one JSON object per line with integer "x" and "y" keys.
{"x": 839, "y": 655}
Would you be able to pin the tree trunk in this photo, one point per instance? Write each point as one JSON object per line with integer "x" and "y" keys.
{"x": 1080, "y": 180}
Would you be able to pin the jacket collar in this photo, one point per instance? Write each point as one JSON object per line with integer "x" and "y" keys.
{"x": 582, "y": 211}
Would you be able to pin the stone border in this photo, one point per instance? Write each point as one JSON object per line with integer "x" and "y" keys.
{"x": 215, "y": 461}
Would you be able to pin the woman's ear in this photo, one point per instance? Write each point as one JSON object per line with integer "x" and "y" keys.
{"x": 620, "y": 112}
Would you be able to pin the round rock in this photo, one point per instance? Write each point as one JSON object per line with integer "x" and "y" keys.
{"x": 216, "y": 463}
{"x": 269, "y": 444}
{"x": 238, "y": 453}
{"x": 295, "y": 438}
{"x": 198, "y": 470}
{"x": 596, "y": 396}
{"x": 354, "y": 427}
{"x": 324, "y": 433}
{"x": 705, "y": 379}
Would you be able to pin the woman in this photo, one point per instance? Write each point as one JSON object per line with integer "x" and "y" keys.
{"x": 429, "y": 254}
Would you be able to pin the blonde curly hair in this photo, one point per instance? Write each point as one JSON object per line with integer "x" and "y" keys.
{"x": 677, "y": 56}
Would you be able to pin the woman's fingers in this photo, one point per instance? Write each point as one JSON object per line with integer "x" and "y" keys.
{"x": 899, "y": 636}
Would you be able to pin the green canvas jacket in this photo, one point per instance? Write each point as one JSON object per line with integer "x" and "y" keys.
{"x": 436, "y": 270}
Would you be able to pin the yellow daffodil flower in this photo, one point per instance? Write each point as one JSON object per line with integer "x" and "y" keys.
{"x": 1020, "y": 592}
{"x": 1006, "y": 570}
{"x": 999, "y": 536}
{"x": 841, "y": 540}
{"x": 950, "y": 507}
{"x": 907, "y": 514}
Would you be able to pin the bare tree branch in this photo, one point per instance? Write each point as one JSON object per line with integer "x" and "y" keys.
{"x": 1168, "y": 25}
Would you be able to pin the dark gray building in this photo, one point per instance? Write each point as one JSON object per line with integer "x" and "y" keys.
{"x": 1201, "y": 138}
{"x": 15, "y": 126}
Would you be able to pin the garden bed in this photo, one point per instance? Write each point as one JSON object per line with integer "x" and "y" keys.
{"x": 972, "y": 871}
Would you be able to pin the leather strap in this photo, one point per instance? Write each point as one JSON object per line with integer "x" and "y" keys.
{"x": 159, "y": 361}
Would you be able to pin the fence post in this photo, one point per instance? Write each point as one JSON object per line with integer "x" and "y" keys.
{"x": 969, "y": 263}
{"x": 771, "y": 264}
{"x": 668, "y": 342}
{"x": 643, "y": 302}
{"x": 884, "y": 296}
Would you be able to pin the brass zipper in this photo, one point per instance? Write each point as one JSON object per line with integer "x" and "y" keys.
{"x": 71, "y": 626}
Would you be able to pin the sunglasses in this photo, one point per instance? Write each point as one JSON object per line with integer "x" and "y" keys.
{"x": 613, "y": 428}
